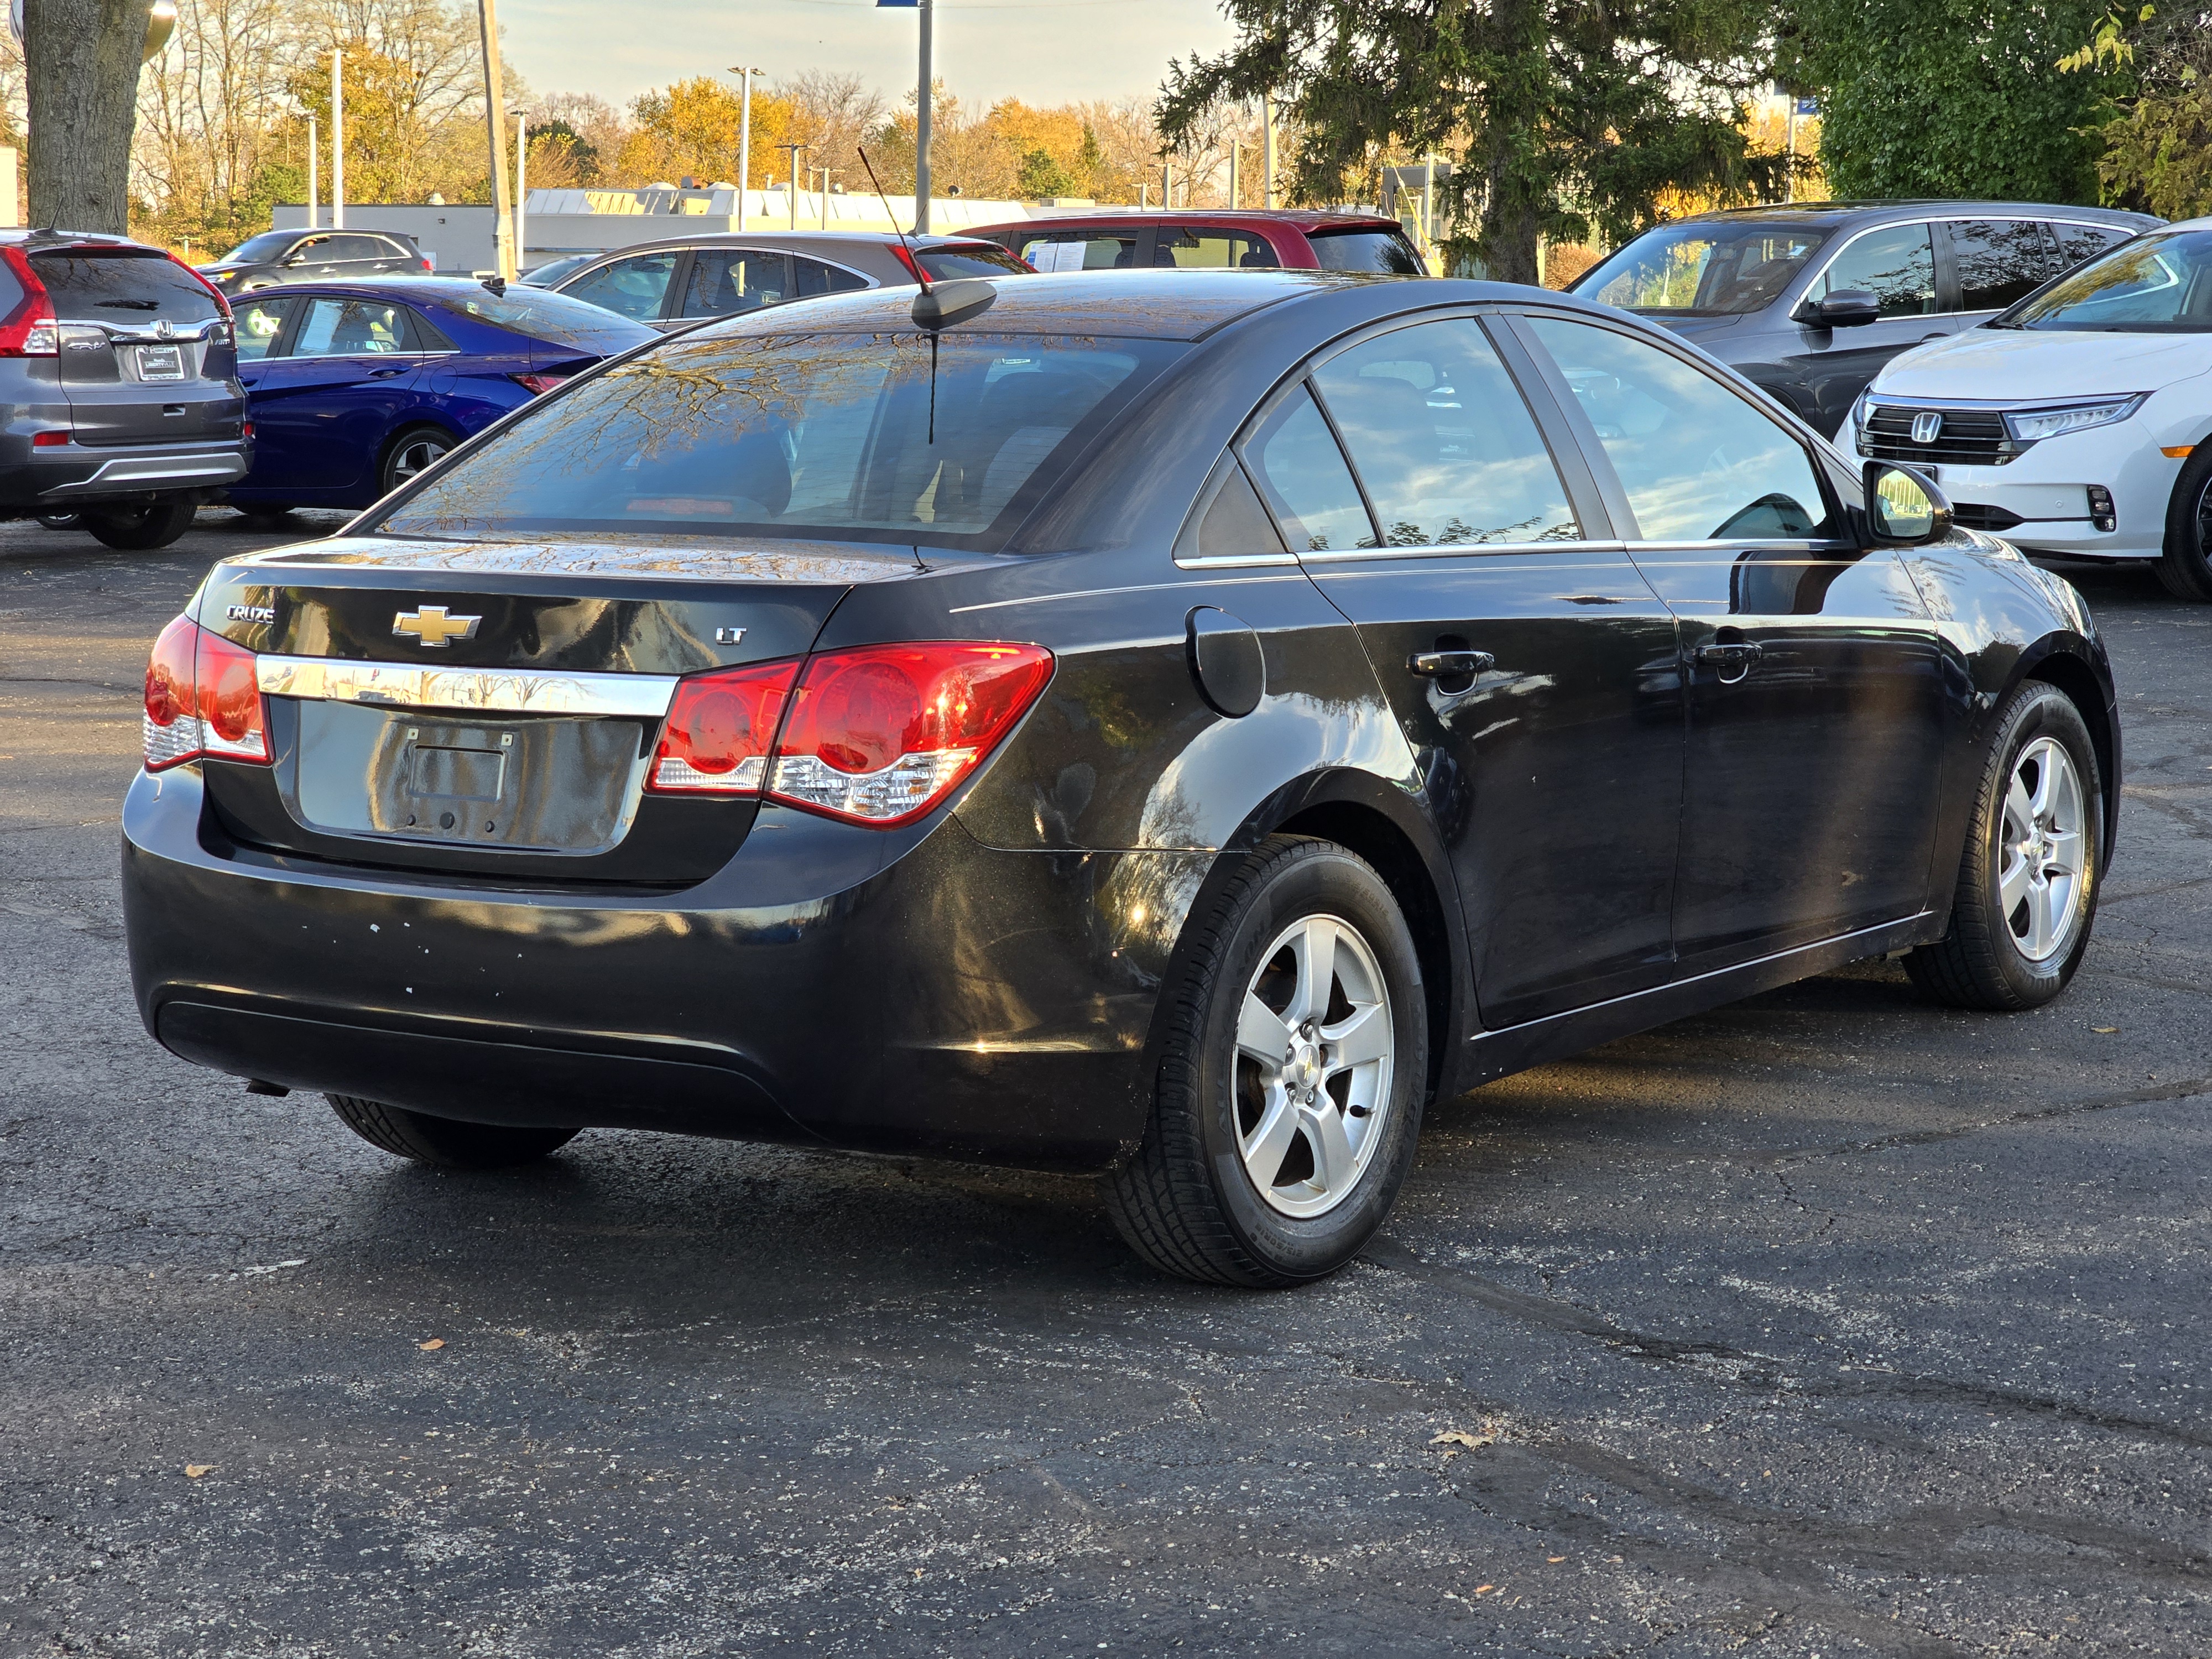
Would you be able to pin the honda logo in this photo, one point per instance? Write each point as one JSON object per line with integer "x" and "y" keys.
{"x": 164, "y": 330}
{"x": 1927, "y": 427}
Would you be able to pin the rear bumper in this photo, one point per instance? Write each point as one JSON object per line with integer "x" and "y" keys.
{"x": 70, "y": 476}
{"x": 830, "y": 985}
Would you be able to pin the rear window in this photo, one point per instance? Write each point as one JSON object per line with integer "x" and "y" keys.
{"x": 127, "y": 288}
{"x": 872, "y": 437}
{"x": 1385, "y": 250}
{"x": 554, "y": 317}
{"x": 977, "y": 259}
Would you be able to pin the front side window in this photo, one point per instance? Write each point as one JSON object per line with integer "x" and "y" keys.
{"x": 725, "y": 280}
{"x": 315, "y": 250}
{"x": 1703, "y": 268}
{"x": 1999, "y": 261}
{"x": 352, "y": 328}
{"x": 852, "y": 436}
{"x": 1697, "y": 462}
{"x": 1896, "y": 264}
{"x": 1080, "y": 249}
{"x": 258, "y": 325}
{"x": 2155, "y": 284}
{"x": 632, "y": 287}
{"x": 1216, "y": 250}
{"x": 1307, "y": 484}
{"x": 1449, "y": 452}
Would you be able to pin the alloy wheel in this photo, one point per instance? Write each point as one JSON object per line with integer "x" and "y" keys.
{"x": 1315, "y": 1049}
{"x": 2043, "y": 853}
{"x": 418, "y": 455}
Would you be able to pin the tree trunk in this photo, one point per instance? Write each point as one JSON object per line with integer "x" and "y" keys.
{"x": 81, "y": 69}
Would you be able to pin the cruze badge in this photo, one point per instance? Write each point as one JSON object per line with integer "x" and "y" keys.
{"x": 432, "y": 627}
{"x": 1927, "y": 427}
{"x": 252, "y": 613}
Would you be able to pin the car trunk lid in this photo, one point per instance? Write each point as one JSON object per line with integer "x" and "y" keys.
{"x": 146, "y": 356}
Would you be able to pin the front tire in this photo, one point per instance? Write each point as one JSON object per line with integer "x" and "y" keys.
{"x": 1292, "y": 1069}
{"x": 2186, "y": 567}
{"x": 444, "y": 1143}
{"x": 139, "y": 529}
{"x": 2028, "y": 878}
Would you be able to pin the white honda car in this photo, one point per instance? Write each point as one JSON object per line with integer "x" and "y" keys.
{"x": 2079, "y": 422}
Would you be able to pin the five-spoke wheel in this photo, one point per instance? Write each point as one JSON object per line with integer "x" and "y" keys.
{"x": 413, "y": 452}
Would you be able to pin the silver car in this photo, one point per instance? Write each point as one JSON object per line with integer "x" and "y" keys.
{"x": 664, "y": 284}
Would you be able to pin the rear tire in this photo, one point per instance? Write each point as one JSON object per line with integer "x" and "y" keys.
{"x": 2186, "y": 567}
{"x": 444, "y": 1143}
{"x": 137, "y": 529}
{"x": 61, "y": 520}
{"x": 1292, "y": 1069}
{"x": 2028, "y": 878}
{"x": 415, "y": 451}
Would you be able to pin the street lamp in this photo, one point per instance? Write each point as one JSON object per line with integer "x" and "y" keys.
{"x": 745, "y": 74}
{"x": 796, "y": 151}
{"x": 827, "y": 175}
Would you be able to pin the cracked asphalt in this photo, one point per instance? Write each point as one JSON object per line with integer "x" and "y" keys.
{"x": 1826, "y": 1324}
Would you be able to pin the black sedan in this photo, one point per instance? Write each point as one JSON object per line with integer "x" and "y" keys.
{"x": 1176, "y": 728}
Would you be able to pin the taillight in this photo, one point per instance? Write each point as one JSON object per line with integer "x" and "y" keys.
{"x": 882, "y": 733}
{"x": 539, "y": 383}
{"x": 30, "y": 330}
{"x": 427, "y": 266}
{"x": 203, "y": 698}
{"x": 199, "y": 276}
{"x": 720, "y": 728}
{"x": 51, "y": 438}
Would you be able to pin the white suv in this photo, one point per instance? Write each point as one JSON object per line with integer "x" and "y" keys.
{"x": 2079, "y": 422}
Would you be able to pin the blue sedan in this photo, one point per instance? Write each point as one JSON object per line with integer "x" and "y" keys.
{"x": 355, "y": 387}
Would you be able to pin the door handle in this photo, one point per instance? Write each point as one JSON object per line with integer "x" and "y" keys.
{"x": 1733, "y": 658}
{"x": 1448, "y": 664}
{"x": 385, "y": 374}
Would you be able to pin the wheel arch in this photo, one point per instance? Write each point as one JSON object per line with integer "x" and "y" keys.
{"x": 2057, "y": 662}
{"x": 415, "y": 420}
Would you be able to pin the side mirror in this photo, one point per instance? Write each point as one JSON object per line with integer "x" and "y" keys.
{"x": 296, "y": 259}
{"x": 1903, "y": 508}
{"x": 1847, "y": 307}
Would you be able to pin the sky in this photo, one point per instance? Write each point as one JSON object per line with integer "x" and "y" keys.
{"x": 1042, "y": 52}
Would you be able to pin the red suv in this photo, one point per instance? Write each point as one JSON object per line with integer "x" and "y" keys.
{"x": 1122, "y": 238}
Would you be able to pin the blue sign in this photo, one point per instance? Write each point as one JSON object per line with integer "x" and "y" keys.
{"x": 909, "y": 4}
{"x": 1805, "y": 105}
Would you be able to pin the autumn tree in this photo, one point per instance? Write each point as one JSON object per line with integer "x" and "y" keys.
{"x": 81, "y": 62}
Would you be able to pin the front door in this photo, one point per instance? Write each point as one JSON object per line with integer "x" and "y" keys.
{"x": 1814, "y": 673}
{"x": 1527, "y": 658}
{"x": 321, "y": 409}
{"x": 1897, "y": 265}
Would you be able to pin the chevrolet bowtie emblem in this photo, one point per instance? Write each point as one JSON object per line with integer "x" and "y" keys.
{"x": 431, "y": 626}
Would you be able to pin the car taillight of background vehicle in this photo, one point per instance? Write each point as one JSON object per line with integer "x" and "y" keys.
{"x": 539, "y": 384}
{"x": 30, "y": 330}
{"x": 203, "y": 698}
{"x": 878, "y": 735}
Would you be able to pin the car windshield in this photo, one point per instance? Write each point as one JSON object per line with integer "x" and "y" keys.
{"x": 871, "y": 437}
{"x": 1384, "y": 250}
{"x": 255, "y": 250}
{"x": 554, "y": 317}
{"x": 1703, "y": 268}
{"x": 2153, "y": 285}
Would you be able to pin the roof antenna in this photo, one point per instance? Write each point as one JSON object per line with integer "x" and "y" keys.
{"x": 940, "y": 304}
{"x": 906, "y": 252}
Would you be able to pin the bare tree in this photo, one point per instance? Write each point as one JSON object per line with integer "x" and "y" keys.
{"x": 209, "y": 114}
{"x": 81, "y": 65}
{"x": 833, "y": 113}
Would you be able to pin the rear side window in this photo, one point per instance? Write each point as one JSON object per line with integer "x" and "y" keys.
{"x": 1080, "y": 249}
{"x": 1697, "y": 462}
{"x": 1306, "y": 480}
{"x": 726, "y": 280}
{"x": 974, "y": 259}
{"x": 128, "y": 288}
{"x": 2000, "y": 260}
{"x": 1384, "y": 250}
{"x": 2080, "y": 242}
{"x": 1448, "y": 452}
{"x": 1215, "y": 250}
{"x": 1896, "y": 264}
{"x": 814, "y": 277}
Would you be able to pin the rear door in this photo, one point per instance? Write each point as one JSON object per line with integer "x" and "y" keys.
{"x": 1993, "y": 262}
{"x": 725, "y": 280}
{"x": 1815, "y": 674}
{"x": 1083, "y": 248}
{"x": 321, "y": 410}
{"x": 145, "y": 355}
{"x": 1214, "y": 247}
{"x": 1529, "y": 663}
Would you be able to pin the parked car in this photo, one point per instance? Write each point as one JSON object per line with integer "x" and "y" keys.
{"x": 673, "y": 283}
{"x": 2079, "y": 422}
{"x": 277, "y": 257}
{"x": 1809, "y": 301}
{"x": 122, "y": 402}
{"x": 553, "y": 270}
{"x": 1173, "y": 727}
{"x": 358, "y": 386}
{"x": 1243, "y": 239}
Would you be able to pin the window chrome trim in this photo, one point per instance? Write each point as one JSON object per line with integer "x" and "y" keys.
{"x": 1234, "y": 561}
{"x": 1957, "y": 219}
{"x": 1747, "y": 543}
{"x": 498, "y": 690}
{"x": 1458, "y": 550}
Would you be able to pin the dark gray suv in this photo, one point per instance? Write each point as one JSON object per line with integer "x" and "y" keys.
{"x": 119, "y": 400}
{"x": 315, "y": 256}
{"x": 1808, "y": 300}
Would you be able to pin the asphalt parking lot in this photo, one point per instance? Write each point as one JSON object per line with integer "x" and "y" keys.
{"x": 1826, "y": 1324}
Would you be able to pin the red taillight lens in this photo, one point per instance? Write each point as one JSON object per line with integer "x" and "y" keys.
{"x": 52, "y": 440}
{"x": 720, "y": 728}
{"x": 30, "y": 330}
{"x": 539, "y": 383}
{"x": 427, "y": 265}
{"x": 881, "y": 734}
{"x": 203, "y": 698}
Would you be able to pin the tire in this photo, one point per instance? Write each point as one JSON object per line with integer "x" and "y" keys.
{"x": 61, "y": 520}
{"x": 2002, "y": 957}
{"x": 137, "y": 529}
{"x": 2186, "y": 567}
{"x": 444, "y": 1143}
{"x": 261, "y": 516}
{"x": 415, "y": 449}
{"x": 1231, "y": 1185}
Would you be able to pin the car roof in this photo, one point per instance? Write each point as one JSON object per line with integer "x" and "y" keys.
{"x": 1305, "y": 219}
{"x": 1847, "y": 212}
{"x": 421, "y": 290}
{"x": 798, "y": 241}
{"x": 40, "y": 240}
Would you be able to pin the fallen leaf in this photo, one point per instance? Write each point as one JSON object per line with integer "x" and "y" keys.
{"x": 1555, "y": 1560}
{"x": 1461, "y": 1437}
{"x": 1484, "y": 1590}
{"x": 433, "y": 1345}
{"x": 194, "y": 1471}
{"x": 2105, "y": 1031}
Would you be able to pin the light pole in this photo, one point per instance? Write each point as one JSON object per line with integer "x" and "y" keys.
{"x": 744, "y": 73}
{"x": 792, "y": 183}
{"x": 1268, "y": 148}
{"x": 521, "y": 190}
{"x": 338, "y": 140}
{"x": 826, "y": 174}
{"x": 495, "y": 122}
{"x": 314, "y": 143}
{"x": 925, "y": 99}
{"x": 1233, "y": 148}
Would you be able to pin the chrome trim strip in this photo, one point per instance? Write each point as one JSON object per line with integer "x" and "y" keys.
{"x": 1950, "y": 219}
{"x": 1235, "y": 561}
{"x": 1456, "y": 550}
{"x": 224, "y": 469}
{"x": 503, "y": 691}
{"x": 1199, "y": 586}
